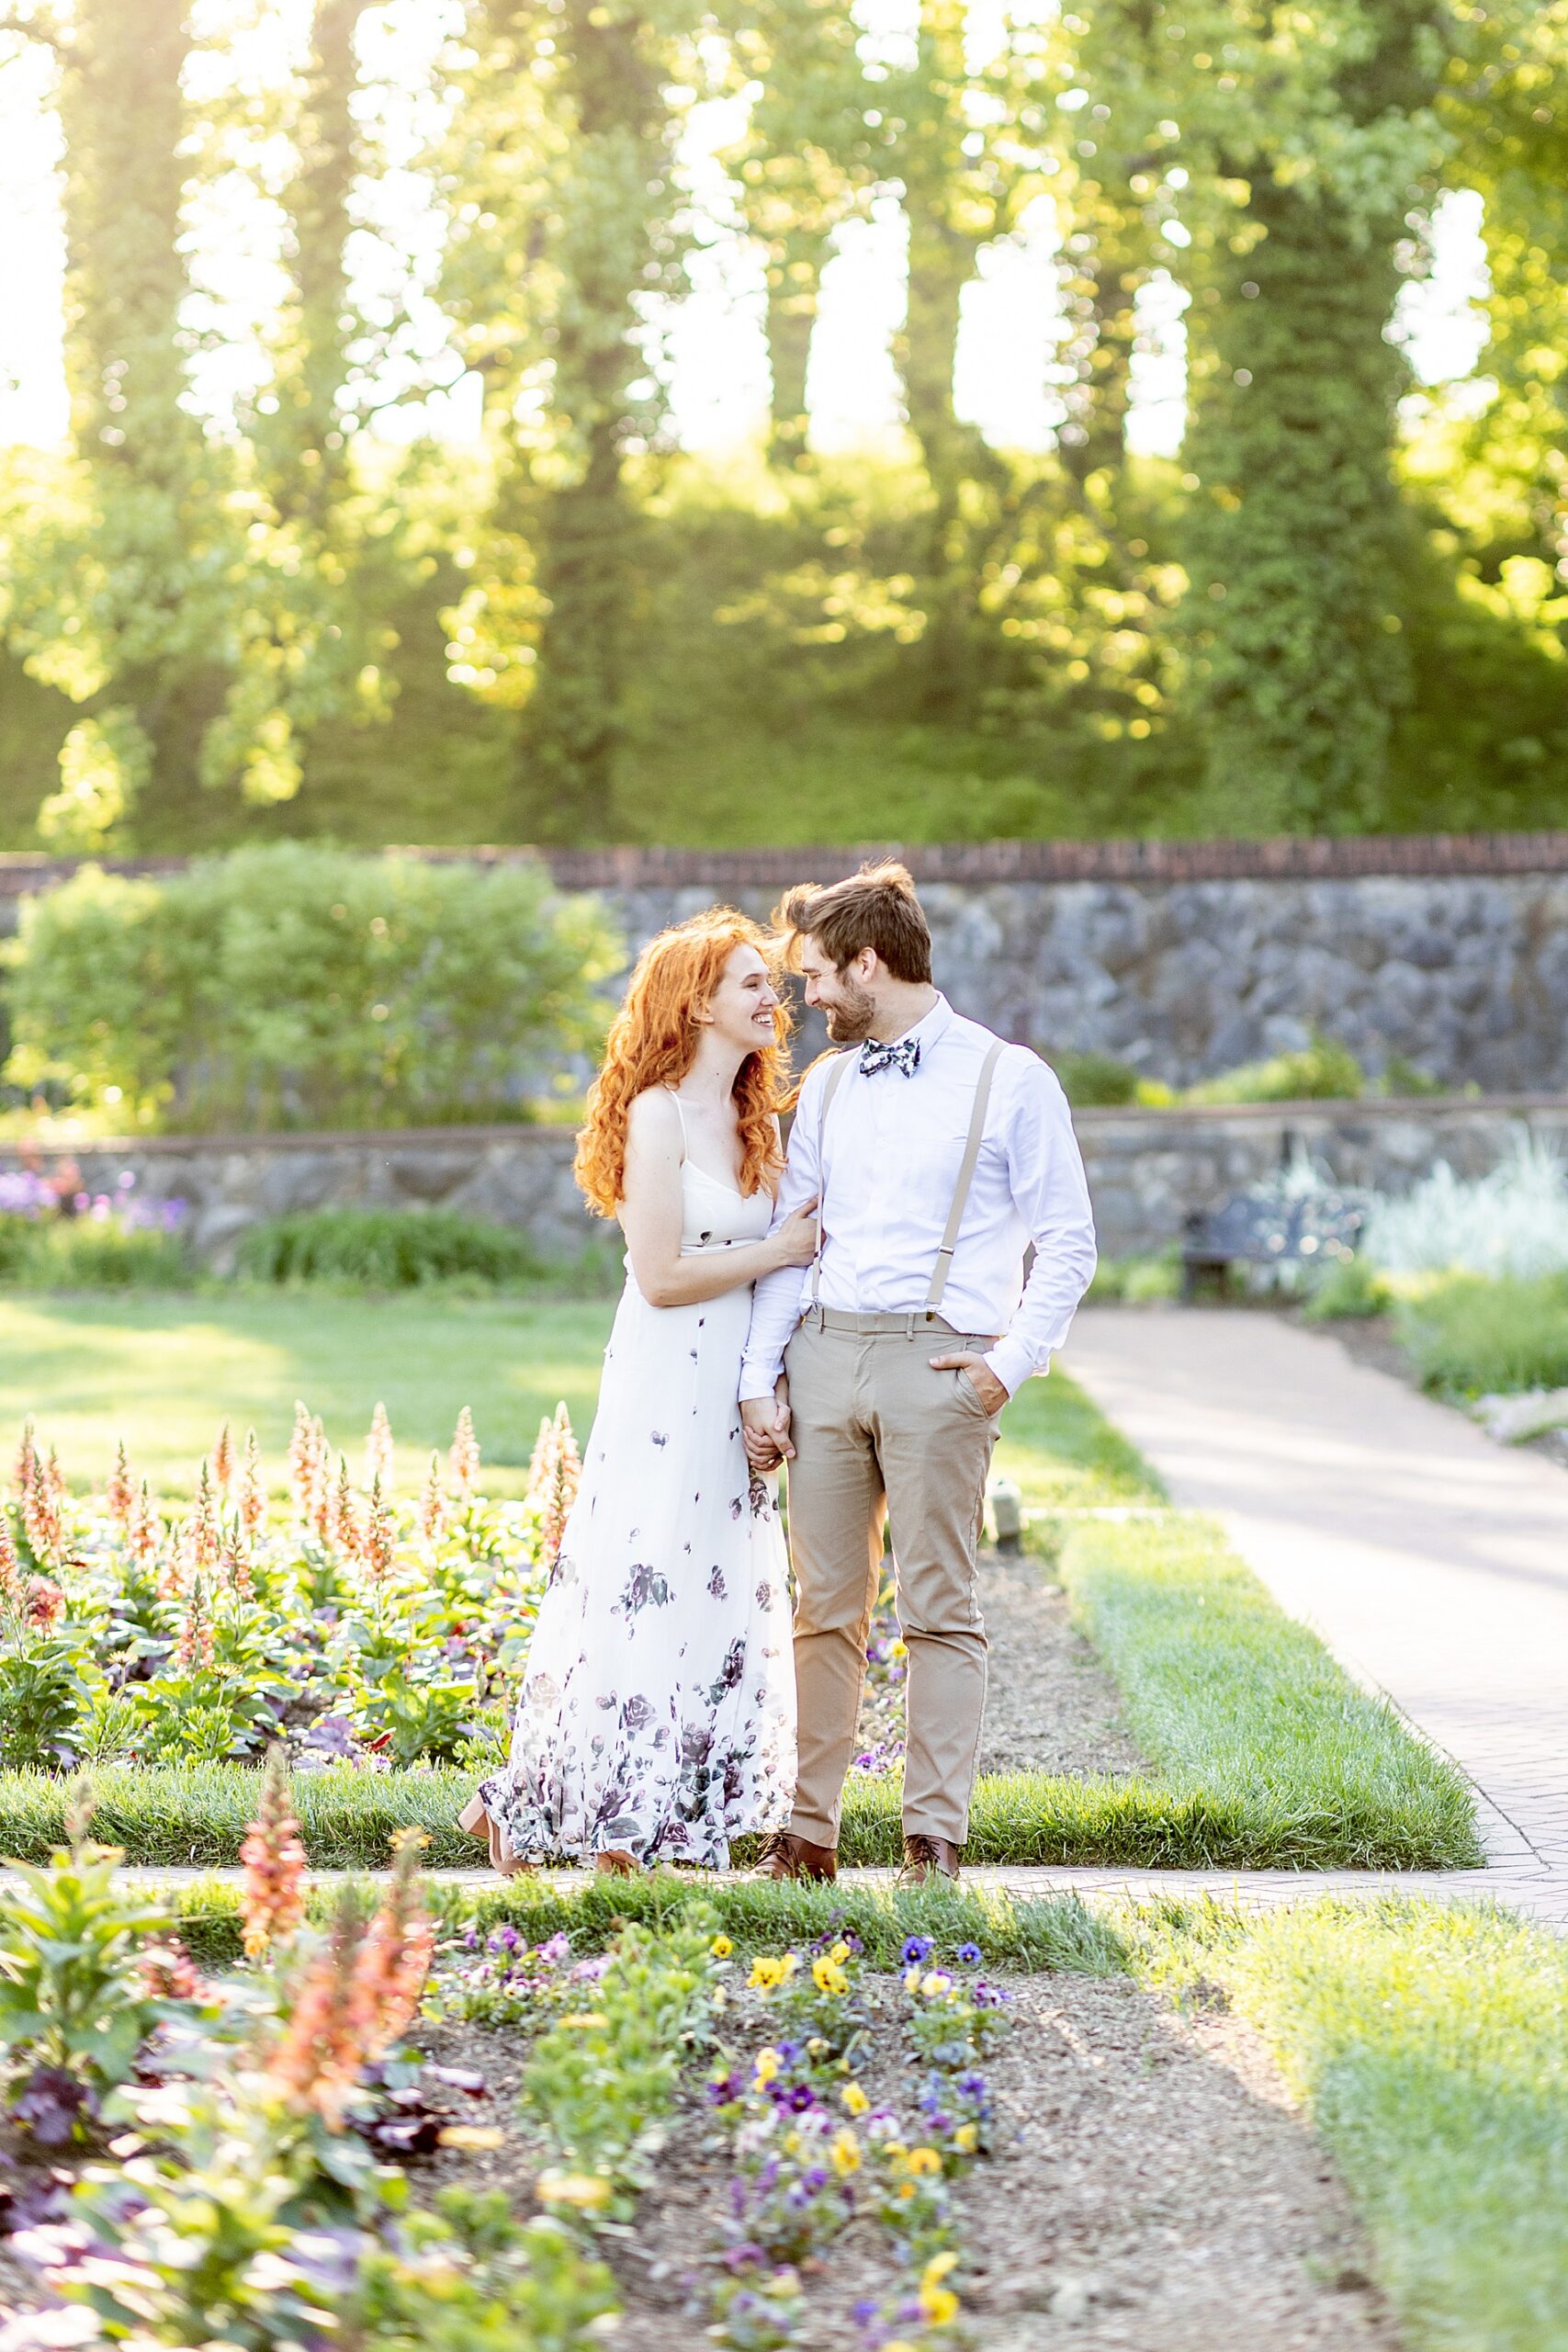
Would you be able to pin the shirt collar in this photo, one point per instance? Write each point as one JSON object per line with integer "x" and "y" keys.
{"x": 928, "y": 1028}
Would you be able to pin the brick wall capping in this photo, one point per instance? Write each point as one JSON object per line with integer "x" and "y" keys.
{"x": 1333, "y": 1109}
{"x": 1290, "y": 859}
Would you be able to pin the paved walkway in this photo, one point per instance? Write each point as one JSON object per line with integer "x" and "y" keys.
{"x": 1432, "y": 1562}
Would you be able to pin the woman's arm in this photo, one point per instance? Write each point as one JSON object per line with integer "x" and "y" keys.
{"x": 650, "y": 1217}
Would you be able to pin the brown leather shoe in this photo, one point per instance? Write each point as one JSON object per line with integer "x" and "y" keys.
{"x": 924, "y": 1856}
{"x": 787, "y": 1856}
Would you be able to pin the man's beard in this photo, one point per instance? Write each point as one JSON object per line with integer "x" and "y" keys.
{"x": 849, "y": 1021}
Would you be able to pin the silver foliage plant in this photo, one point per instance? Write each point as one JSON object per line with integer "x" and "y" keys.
{"x": 1512, "y": 1221}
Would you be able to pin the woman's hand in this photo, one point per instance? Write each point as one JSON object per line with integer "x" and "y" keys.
{"x": 796, "y": 1240}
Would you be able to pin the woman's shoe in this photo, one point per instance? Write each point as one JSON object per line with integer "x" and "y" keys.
{"x": 479, "y": 1824}
{"x": 615, "y": 1862}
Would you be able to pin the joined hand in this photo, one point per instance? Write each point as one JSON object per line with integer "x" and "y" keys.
{"x": 764, "y": 1429}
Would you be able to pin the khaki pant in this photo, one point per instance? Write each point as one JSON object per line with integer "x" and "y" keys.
{"x": 878, "y": 1432}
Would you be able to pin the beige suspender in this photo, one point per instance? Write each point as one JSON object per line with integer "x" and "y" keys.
{"x": 943, "y": 1266}
{"x": 960, "y": 1190}
{"x": 830, "y": 1086}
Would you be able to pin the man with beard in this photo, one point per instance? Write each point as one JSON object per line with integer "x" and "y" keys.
{"x": 940, "y": 1154}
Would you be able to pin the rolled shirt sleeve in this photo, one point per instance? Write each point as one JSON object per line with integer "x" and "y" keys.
{"x": 1051, "y": 1195}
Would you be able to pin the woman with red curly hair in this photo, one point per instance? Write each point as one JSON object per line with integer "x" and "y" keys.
{"x": 657, "y": 1715}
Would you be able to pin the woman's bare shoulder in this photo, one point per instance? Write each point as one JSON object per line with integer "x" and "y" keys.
{"x": 652, "y": 1117}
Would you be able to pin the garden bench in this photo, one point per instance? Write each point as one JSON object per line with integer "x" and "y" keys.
{"x": 1268, "y": 1225}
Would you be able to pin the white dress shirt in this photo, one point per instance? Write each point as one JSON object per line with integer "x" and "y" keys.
{"x": 893, "y": 1150}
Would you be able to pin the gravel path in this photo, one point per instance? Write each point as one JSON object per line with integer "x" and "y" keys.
{"x": 1152, "y": 2191}
{"x": 1051, "y": 1706}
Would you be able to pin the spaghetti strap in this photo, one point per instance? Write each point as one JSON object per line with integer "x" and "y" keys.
{"x": 681, "y": 1114}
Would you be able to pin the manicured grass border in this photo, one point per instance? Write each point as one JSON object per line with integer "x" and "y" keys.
{"x": 1430, "y": 2045}
{"x": 1047, "y": 1933}
{"x": 1248, "y": 1719}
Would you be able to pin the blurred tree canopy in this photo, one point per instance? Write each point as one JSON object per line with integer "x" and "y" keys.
{"x": 1343, "y": 606}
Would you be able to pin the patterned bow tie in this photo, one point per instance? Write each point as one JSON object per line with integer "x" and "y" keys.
{"x": 905, "y": 1056}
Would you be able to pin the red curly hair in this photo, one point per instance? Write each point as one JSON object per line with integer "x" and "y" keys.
{"x": 653, "y": 1042}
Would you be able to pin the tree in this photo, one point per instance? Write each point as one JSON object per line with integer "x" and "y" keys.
{"x": 558, "y": 177}
{"x": 803, "y": 168}
{"x": 112, "y": 599}
{"x": 307, "y": 643}
{"x": 951, "y": 143}
{"x": 1305, "y": 146}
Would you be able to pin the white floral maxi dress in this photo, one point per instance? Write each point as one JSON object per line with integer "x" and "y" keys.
{"x": 657, "y": 1713}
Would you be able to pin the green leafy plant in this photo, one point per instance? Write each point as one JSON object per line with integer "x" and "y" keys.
{"x": 1095, "y": 1081}
{"x": 90, "y": 1253}
{"x": 1474, "y": 1338}
{"x": 602, "y": 2083}
{"x": 1348, "y": 1291}
{"x": 1324, "y": 1070}
{"x": 74, "y": 2007}
{"x": 298, "y": 986}
{"x": 386, "y": 1249}
{"x": 469, "y": 2279}
{"x": 45, "y": 1700}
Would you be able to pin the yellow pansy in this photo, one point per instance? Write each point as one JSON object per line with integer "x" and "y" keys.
{"x": 844, "y": 2154}
{"x": 721, "y": 1948}
{"x": 911, "y": 1980}
{"x": 940, "y": 2305}
{"x": 937, "y": 2268}
{"x": 840, "y": 1952}
{"x": 580, "y": 2188}
{"x": 966, "y": 2139}
{"x": 934, "y": 1985}
{"x": 586, "y": 2017}
{"x": 767, "y": 2067}
{"x": 897, "y": 1649}
{"x": 829, "y": 1977}
{"x": 854, "y": 2098}
{"x": 923, "y": 2159}
{"x": 471, "y": 2135}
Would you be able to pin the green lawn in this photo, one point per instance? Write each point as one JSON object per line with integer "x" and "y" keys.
{"x": 1245, "y": 1712}
{"x": 161, "y": 1372}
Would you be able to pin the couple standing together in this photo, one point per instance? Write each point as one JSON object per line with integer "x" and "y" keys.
{"x": 856, "y": 1309}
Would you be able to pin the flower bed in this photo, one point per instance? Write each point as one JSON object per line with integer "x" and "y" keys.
{"x": 272, "y": 2156}
{"x": 381, "y": 1638}
{"x": 354, "y": 1625}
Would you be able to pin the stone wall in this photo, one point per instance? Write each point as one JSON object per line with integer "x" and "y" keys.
{"x": 1183, "y": 957}
{"x": 1146, "y": 1167}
